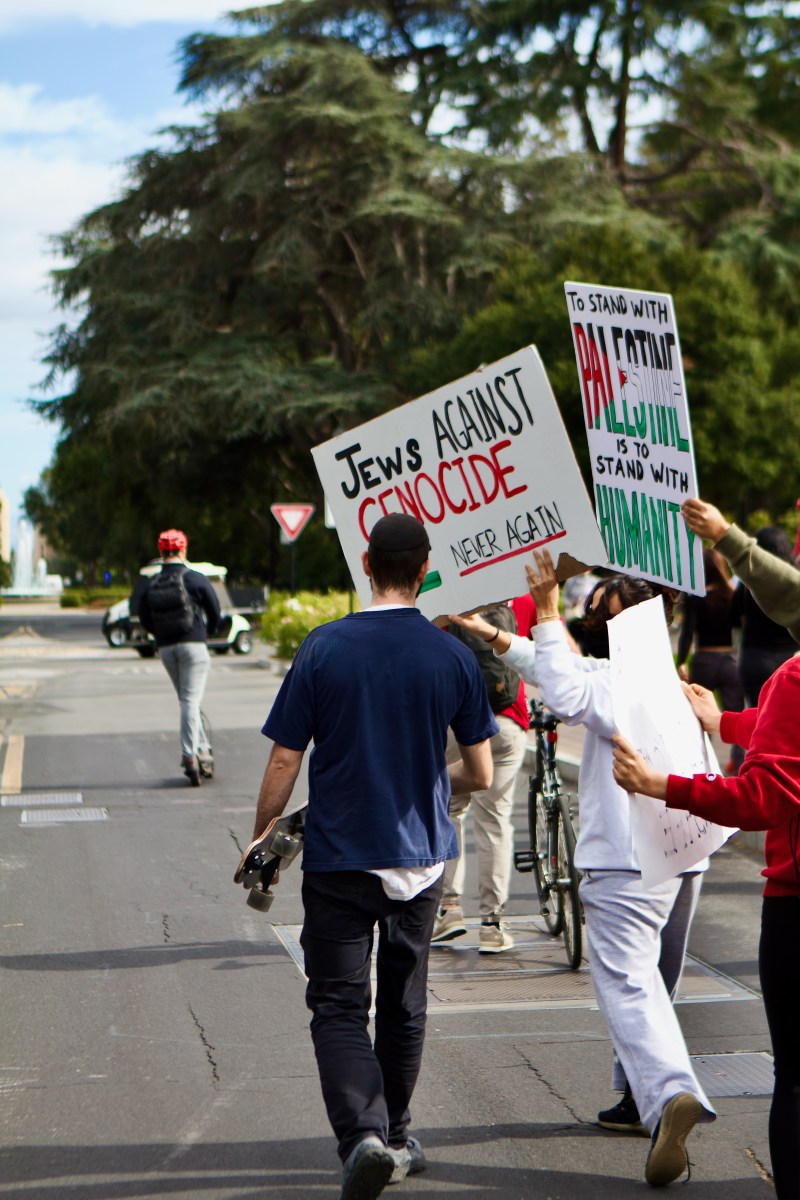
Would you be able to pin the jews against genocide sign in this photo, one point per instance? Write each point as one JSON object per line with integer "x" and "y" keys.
{"x": 637, "y": 422}
{"x": 651, "y": 711}
{"x": 486, "y": 465}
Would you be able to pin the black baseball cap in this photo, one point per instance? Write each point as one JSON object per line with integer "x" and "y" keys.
{"x": 398, "y": 531}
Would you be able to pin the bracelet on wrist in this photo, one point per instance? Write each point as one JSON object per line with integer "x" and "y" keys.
{"x": 493, "y": 638}
{"x": 548, "y": 617}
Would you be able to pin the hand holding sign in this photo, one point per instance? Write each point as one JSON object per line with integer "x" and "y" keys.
{"x": 704, "y": 520}
{"x": 634, "y": 773}
{"x": 543, "y": 585}
{"x": 704, "y": 706}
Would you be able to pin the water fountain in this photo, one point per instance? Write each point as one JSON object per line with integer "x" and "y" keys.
{"x": 30, "y": 581}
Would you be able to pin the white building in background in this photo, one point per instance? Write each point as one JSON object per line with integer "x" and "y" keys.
{"x": 5, "y": 527}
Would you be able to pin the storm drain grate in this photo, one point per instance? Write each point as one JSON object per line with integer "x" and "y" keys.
{"x": 59, "y": 816}
{"x": 735, "y": 1074}
{"x": 532, "y": 976}
{"x": 41, "y": 798}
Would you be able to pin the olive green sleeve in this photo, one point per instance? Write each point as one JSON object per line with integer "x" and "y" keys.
{"x": 774, "y": 584}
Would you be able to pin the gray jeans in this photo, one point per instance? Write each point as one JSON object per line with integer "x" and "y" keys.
{"x": 187, "y": 665}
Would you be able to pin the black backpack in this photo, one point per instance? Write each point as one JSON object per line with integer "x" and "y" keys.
{"x": 171, "y": 607}
{"x": 502, "y": 683}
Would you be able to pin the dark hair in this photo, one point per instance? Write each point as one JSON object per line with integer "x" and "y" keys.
{"x": 775, "y": 540}
{"x": 716, "y": 573}
{"x": 396, "y": 569}
{"x": 629, "y": 591}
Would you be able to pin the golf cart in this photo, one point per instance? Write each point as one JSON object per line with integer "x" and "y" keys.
{"x": 121, "y": 626}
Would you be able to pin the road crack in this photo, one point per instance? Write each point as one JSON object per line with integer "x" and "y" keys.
{"x": 550, "y": 1087}
{"x": 762, "y": 1170}
{"x": 209, "y": 1049}
{"x": 236, "y": 841}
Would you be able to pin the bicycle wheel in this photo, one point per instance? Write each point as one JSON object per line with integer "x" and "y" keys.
{"x": 568, "y": 887}
{"x": 539, "y": 821}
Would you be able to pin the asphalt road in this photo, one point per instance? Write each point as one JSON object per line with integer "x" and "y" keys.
{"x": 154, "y": 1034}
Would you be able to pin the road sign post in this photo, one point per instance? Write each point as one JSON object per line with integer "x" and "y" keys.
{"x": 292, "y": 519}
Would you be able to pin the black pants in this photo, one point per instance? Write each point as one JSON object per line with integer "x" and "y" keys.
{"x": 779, "y": 967}
{"x": 756, "y": 664}
{"x": 717, "y": 671}
{"x": 367, "y": 1089}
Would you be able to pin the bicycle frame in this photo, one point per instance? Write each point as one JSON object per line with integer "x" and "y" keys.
{"x": 552, "y": 839}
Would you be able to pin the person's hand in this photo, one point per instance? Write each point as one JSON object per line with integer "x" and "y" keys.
{"x": 474, "y": 624}
{"x": 704, "y": 519}
{"x": 683, "y": 673}
{"x": 634, "y": 773}
{"x": 543, "y": 584}
{"x": 704, "y": 706}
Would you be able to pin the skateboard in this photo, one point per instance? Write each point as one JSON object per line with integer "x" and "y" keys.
{"x": 277, "y": 847}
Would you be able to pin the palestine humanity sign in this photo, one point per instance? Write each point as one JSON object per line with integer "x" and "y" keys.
{"x": 486, "y": 465}
{"x": 637, "y": 422}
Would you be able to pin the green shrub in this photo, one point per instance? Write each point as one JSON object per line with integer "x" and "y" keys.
{"x": 96, "y": 597}
{"x": 290, "y": 619}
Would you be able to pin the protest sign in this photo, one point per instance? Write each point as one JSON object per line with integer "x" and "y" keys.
{"x": 637, "y": 422}
{"x": 651, "y": 711}
{"x": 486, "y": 465}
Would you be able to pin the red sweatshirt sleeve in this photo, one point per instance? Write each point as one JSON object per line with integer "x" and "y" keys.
{"x": 766, "y": 792}
{"x": 736, "y": 728}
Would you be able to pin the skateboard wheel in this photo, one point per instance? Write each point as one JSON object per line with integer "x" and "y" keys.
{"x": 260, "y": 899}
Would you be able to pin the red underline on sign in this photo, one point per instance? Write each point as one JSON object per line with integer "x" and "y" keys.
{"x": 511, "y": 554}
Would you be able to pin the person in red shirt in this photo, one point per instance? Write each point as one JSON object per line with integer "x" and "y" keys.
{"x": 764, "y": 795}
{"x": 494, "y": 834}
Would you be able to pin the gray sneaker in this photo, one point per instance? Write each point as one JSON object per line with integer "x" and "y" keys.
{"x": 368, "y": 1169}
{"x": 409, "y": 1160}
{"x": 449, "y": 924}
{"x": 494, "y": 938}
{"x": 668, "y": 1159}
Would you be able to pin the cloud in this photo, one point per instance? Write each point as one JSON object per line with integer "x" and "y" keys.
{"x": 24, "y": 109}
{"x": 16, "y": 15}
{"x": 58, "y": 160}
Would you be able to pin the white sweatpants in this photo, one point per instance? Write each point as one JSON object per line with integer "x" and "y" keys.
{"x": 637, "y": 939}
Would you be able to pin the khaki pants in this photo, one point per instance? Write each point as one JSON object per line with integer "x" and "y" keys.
{"x": 491, "y": 810}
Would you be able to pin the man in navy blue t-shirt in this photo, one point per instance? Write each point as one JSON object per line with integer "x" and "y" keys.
{"x": 376, "y": 692}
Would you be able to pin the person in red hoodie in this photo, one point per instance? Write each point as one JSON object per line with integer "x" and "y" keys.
{"x": 765, "y": 795}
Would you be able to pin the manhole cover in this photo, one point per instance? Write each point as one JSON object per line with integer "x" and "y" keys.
{"x": 735, "y": 1074}
{"x": 533, "y": 975}
{"x": 41, "y": 798}
{"x": 59, "y": 816}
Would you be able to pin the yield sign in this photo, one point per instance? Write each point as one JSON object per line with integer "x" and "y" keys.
{"x": 292, "y": 518}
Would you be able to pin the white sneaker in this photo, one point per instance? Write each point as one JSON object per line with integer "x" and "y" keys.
{"x": 449, "y": 924}
{"x": 493, "y": 939}
{"x": 409, "y": 1160}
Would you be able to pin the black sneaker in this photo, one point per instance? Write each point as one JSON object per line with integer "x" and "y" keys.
{"x": 623, "y": 1117}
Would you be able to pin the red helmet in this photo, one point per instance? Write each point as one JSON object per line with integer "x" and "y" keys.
{"x": 172, "y": 541}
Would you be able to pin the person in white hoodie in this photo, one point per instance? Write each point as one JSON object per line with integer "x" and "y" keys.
{"x": 637, "y": 936}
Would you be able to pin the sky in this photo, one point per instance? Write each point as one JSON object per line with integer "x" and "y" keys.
{"x": 84, "y": 84}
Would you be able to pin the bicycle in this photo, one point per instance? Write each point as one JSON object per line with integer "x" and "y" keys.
{"x": 551, "y": 856}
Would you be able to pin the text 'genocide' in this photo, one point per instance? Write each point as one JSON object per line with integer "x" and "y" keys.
{"x": 497, "y": 408}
